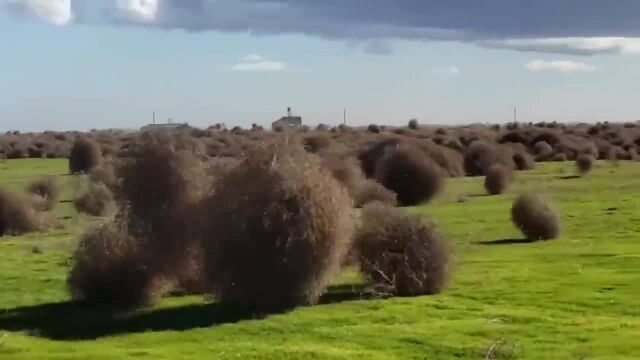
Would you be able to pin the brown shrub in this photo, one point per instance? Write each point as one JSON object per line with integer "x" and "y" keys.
{"x": 410, "y": 174}
{"x": 47, "y": 189}
{"x": 190, "y": 278}
{"x": 514, "y": 137}
{"x": 163, "y": 211}
{"x": 346, "y": 171}
{"x": 105, "y": 174}
{"x": 521, "y": 158}
{"x": 368, "y": 191}
{"x": 110, "y": 269}
{"x": 589, "y": 148}
{"x": 479, "y": 157}
{"x": 60, "y": 136}
{"x": 450, "y": 142}
{"x": 551, "y": 138}
{"x": 498, "y": 179}
{"x": 512, "y": 126}
{"x": 35, "y": 153}
{"x": 218, "y": 166}
{"x": 369, "y": 157}
{"x": 362, "y": 190}
{"x": 560, "y": 157}
{"x": 98, "y": 200}
{"x": 402, "y": 254}
{"x": 154, "y": 237}
{"x": 613, "y": 154}
{"x": 573, "y": 146}
{"x": 605, "y": 150}
{"x": 317, "y": 143}
{"x": 17, "y": 153}
{"x": 534, "y": 218}
{"x": 343, "y": 128}
{"x": 17, "y": 215}
{"x": 585, "y": 163}
{"x": 176, "y": 177}
{"x": 108, "y": 149}
{"x": 281, "y": 234}
{"x": 542, "y": 150}
{"x": 373, "y": 128}
{"x": 58, "y": 151}
{"x": 450, "y": 161}
{"x": 85, "y": 155}
{"x": 37, "y": 202}
{"x": 523, "y": 161}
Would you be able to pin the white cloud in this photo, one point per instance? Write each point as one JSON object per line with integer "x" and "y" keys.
{"x": 447, "y": 70}
{"x": 570, "y": 45}
{"x": 257, "y": 63}
{"x": 138, "y": 10}
{"x": 563, "y": 66}
{"x": 252, "y": 58}
{"x": 57, "y": 12}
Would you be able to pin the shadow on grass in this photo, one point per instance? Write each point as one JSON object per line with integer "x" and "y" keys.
{"x": 504, "y": 242}
{"x": 346, "y": 292}
{"x": 568, "y": 177}
{"x": 76, "y": 321}
{"x": 73, "y": 321}
{"x": 479, "y": 195}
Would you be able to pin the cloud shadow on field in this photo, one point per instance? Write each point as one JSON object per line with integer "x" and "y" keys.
{"x": 70, "y": 321}
{"x": 504, "y": 242}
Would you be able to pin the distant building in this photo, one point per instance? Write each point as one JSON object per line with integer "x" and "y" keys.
{"x": 162, "y": 127}
{"x": 287, "y": 122}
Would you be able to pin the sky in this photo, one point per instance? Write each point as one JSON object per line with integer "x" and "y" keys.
{"x": 84, "y": 64}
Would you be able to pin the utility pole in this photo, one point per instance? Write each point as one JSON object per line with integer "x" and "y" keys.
{"x": 515, "y": 114}
{"x": 154, "y": 117}
{"x": 344, "y": 117}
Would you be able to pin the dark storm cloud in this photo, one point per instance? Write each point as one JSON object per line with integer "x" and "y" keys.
{"x": 609, "y": 26}
{"x": 484, "y": 19}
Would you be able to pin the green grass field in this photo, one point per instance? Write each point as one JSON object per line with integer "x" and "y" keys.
{"x": 577, "y": 297}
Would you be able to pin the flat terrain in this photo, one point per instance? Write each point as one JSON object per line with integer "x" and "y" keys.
{"x": 577, "y": 297}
